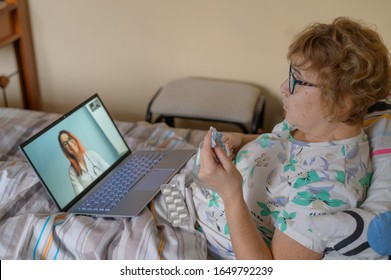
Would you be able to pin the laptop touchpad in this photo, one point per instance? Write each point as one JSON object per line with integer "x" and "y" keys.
{"x": 154, "y": 179}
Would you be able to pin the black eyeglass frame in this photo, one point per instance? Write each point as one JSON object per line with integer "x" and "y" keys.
{"x": 66, "y": 142}
{"x": 296, "y": 81}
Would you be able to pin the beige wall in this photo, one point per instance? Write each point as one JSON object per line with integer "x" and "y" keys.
{"x": 126, "y": 49}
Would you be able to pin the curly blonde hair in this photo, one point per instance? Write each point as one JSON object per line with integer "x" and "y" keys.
{"x": 352, "y": 63}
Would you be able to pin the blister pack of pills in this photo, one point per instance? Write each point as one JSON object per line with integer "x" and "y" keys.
{"x": 217, "y": 139}
{"x": 177, "y": 212}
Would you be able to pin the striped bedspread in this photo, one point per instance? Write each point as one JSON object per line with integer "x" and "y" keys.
{"x": 32, "y": 228}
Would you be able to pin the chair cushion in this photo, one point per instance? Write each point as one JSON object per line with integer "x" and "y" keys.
{"x": 207, "y": 99}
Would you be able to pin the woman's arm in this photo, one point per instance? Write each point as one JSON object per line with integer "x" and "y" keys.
{"x": 285, "y": 248}
{"x": 247, "y": 242}
{"x": 77, "y": 187}
{"x": 227, "y": 181}
{"x": 234, "y": 141}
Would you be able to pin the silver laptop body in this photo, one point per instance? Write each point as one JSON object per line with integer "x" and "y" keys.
{"x": 91, "y": 125}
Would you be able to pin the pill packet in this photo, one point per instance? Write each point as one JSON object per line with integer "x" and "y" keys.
{"x": 217, "y": 139}
{"x": 177, "y": 212}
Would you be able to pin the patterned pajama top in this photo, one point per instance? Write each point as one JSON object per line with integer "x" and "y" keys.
{"x": 285, "y": 182}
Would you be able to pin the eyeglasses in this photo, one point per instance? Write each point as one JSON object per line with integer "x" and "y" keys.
{"x": 293, "y": 81}
{"x": 66, "y": 142}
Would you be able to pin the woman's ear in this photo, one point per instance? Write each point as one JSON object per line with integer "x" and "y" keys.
{"x": 346, "y": 105}
{"x": 341, "y": 108}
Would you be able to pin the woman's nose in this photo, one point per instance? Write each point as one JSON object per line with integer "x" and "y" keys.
{"x": 284, "y": 88}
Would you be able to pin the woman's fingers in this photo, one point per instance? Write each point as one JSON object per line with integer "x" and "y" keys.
{"x": 222, "y": 156}
{"x": 207, "y": 159}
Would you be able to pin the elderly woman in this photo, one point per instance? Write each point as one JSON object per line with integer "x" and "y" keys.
{"x": 85, "y": 166}
{"x": 315, "y": 162}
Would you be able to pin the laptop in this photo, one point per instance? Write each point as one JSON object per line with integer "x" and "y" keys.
{"x": 87, "y": 168}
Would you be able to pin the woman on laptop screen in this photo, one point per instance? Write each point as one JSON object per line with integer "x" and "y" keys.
{"x": 85, "y": 166}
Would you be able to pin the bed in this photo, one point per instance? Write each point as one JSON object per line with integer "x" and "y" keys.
{"x": 31, "y": 227}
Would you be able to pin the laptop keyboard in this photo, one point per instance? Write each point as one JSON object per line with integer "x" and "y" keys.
{"x": 110, "y": 193}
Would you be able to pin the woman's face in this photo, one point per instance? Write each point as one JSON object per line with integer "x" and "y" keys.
{"x": 304, "y": 108}
{"x": 69, "y": 144}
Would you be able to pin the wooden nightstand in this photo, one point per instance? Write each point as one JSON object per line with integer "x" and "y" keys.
{"x": 15, "y": 30}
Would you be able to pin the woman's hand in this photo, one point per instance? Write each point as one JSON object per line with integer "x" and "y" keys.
{"x": 233, "y": 142}
{"x": 218, "y": 171}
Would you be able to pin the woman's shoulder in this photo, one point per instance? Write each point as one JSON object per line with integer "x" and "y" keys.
{"x": 72, "y": 171}
{"x": 268, "y": 142}
{"x": 92, "y": 153}
{"x": 280, "y": 132}
{"x": 282, "y": 128}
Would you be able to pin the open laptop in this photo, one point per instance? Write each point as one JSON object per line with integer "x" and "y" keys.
{"x": 107, "y": 165}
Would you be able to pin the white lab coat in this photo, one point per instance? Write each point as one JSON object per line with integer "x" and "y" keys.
{"x": 95, "y": 167}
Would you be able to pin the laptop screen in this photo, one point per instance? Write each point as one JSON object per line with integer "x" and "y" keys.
{"x": 76, "y": 150}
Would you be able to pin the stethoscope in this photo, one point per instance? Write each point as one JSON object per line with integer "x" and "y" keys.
{"x": 95, "y": 168}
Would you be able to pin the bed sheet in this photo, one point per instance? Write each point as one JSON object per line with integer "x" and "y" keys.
{"x": 32, "y": 228}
